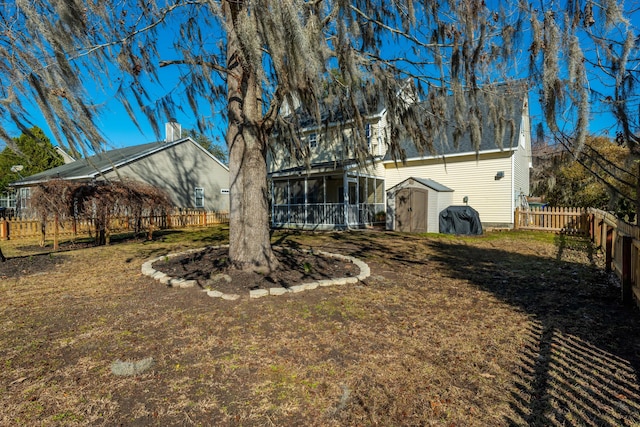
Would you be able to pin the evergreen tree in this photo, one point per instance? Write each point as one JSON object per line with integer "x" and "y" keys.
{"x": 33, "y": 151}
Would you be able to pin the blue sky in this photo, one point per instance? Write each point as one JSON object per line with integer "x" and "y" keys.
{"x": 120, "y": 130}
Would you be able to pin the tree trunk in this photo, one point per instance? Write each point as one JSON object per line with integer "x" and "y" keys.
{"x": 2, "y": 257}
{"x": 249, "y": 238}
{"x": 56, "y": 232}
{"x": 638, "y": 195}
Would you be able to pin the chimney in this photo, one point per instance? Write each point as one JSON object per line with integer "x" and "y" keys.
{"x": 173, "y": 131}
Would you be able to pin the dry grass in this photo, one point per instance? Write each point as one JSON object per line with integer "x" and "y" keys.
{"x": 504, "y": 329}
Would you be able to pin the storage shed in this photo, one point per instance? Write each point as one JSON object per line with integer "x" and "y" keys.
{"x": 414, "y": 204}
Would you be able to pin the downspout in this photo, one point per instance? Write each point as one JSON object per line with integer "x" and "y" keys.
{"x": 513, "y": 185}
{"x": 324, "y": 198}
{"x": 273, "y": 203}
{"x": 345, "y": 197}
{"x": 288, "y": 202}
{"x": 358, "y": 199}
{"x": 306, "y": 202}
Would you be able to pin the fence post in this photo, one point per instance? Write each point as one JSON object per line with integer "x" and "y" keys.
{"x": 516, "y": 219}
{"x": 4, "y": 229}
{"x": 609, "y": 249}
{"x": 627, "y": 281}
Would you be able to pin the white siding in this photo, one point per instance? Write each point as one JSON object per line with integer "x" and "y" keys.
{"x": 467, "y": 176}
{"x": 334, "y": 143}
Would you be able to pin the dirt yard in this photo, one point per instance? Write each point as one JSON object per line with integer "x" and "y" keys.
{"x": 499, "y": 330}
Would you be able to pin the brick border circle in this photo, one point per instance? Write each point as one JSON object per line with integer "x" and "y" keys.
{"x": 176, "y": 282}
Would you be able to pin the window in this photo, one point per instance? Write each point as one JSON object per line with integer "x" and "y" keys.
{"x": 199, "y": 197}
{"x": 367, "y": 132}
{"x": 313, "y": 140}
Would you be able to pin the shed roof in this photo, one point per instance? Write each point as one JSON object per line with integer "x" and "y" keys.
{"x": 436, "y": 186}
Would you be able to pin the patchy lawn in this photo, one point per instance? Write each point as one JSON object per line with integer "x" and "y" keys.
{"x": 503, "y": 329}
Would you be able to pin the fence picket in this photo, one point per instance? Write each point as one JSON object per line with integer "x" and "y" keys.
{"x": 619, "y": 240}
{"x": 565, "y": 219}
{"x": 21, "y": 229}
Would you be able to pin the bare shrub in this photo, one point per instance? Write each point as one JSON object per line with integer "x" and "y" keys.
{"x": 102, "y": 203}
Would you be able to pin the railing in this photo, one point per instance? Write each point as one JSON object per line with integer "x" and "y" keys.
{"x": 324, "y": 215}
{"x": 17, "y": 229}
{"x": 558, "y": 219}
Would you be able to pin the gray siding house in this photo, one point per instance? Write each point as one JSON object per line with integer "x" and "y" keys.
{"x": 191, "y": 175}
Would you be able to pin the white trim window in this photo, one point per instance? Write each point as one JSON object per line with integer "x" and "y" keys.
{"x": 199, "y": 197}
{"x": 313, "y": 140}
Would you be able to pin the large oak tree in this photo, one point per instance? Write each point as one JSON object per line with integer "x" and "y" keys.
{"x": 250, "y": 57}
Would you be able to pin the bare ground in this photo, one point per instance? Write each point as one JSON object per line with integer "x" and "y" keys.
{"x": 499, "y": 330}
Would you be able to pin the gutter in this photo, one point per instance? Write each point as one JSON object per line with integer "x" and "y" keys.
{"x": 448, "y": 156}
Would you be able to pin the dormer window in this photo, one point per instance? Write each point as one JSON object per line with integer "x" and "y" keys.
{"x": 313, "y": 140}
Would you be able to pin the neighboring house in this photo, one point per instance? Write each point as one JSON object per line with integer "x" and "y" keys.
{"x": 192, "y": 176}
{"x": 66, "y": 157}
{"x": 333, "y": 191}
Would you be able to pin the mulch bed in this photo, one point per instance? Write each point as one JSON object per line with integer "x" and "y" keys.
{"x": 28, "y": 265}
{"x": 211, "y": 269}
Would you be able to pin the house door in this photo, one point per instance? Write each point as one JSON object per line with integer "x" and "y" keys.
{"x": 411, "y": 210}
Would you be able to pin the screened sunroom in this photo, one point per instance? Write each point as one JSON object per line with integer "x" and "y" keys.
{"x": 325, "y": 200}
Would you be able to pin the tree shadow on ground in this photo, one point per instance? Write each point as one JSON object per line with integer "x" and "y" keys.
{"x": 581, "y": 361}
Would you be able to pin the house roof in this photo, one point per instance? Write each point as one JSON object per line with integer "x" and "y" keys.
{"x": 65, "y": 156}
{"x": 331, "y": 112}
{"x": 508, "y": 103}
{"x": 98, "y": 164}
{"x": 426, "y": 182}
{"x": 330, "y": 166}
{"x": 338, "y": 109}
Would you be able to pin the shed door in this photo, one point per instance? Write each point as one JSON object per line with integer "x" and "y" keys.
{"x": 411, "y": 210}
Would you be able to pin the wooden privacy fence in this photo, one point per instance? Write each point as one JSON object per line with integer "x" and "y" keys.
{"x": 558, "y": 219}
{"x": 619, "y": 240}
{"x": 17, "y": 229}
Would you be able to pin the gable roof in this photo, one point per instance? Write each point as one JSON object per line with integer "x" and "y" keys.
{"x": 101, "y": 163}
{"x": 436, "y": 186}
{"x": 509, "y": 98}
{"x": 337, "y": 109}
{"x": 65, "y": 156}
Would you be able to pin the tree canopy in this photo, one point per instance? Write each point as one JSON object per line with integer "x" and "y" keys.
{"x": 601, "y": 176}
{"x": 249, "y": 58}
{"x": 32, "y": 150}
